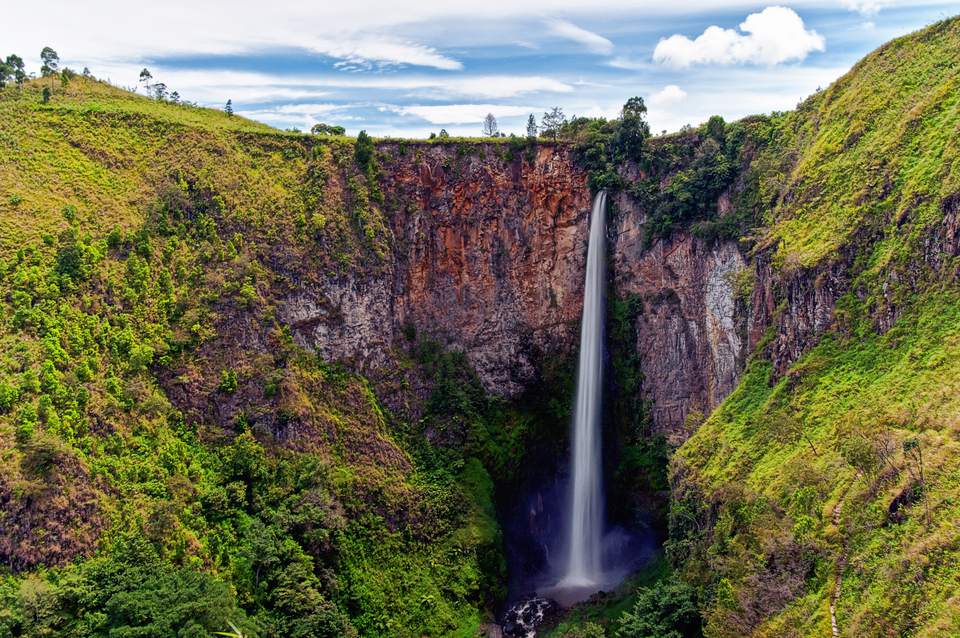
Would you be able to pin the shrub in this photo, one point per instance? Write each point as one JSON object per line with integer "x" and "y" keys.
{"x": 667, "y": 609}
{"x": 228, "y": 381}
{"x": 364, "y": 151}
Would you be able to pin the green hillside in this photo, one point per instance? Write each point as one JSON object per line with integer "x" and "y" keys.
{"x": 846, "y": 464}
{"x": 172, "y": 462}
{"x": 143, "y": 248}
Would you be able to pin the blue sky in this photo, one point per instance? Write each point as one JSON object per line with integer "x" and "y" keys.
{"x": 409, "y": 68}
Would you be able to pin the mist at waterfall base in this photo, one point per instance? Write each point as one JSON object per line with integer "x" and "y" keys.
{"x": 559, "y": 545}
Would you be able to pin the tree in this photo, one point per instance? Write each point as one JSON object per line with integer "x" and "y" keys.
{"x": 552, "y": 121}
{"x": 145, "y": 77}
{"x": 11, "y": 70}
{"x": 363, "y": 151}
{"x": 490, "y": 128}
{"x": 15, "y": 64}
{"x": 45, "y": 95}
{"x": 228, "y": 108}
{"x": 160, "y": 92}
{"x": 668, "y": 609}
{"x": 175, "y": 97}
{"x": 634, "y": 129}
{"x": 50, "y": 60}
{"x": 531, "y": 126}
{"x": 327, "y": 129}
{"x": 443, "y": 134}
{"x": 717, "y": 128}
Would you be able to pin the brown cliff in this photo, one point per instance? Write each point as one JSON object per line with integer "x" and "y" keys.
{"x": 488, "y": 254}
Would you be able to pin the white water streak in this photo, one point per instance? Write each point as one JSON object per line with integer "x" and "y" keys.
{"x": 586, "y": 498}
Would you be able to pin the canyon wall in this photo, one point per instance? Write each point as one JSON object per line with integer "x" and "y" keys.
{"x": 691, "y": 331}
{"x": 488, "y": 250}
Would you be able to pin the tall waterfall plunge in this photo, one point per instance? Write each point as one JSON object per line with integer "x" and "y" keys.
{"x": 585, "y": 524}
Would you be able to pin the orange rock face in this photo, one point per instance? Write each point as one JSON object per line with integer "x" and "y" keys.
{"x": 488, "y": 248}
{"x": 490, "y": 252}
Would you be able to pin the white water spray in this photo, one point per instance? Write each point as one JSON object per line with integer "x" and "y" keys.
{"x": 585, "y": 536}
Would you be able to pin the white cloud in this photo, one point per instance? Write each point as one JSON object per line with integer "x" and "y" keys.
{"x": 775, "y": 35}
{"x": 594, "y": 42}
{"x": 382, "y": 50}
{"x": 295, "y": 109}
{"x": 866, "y": 7}
{"x": 501, "y": 86}
{"x": 668, "y": 96}
{"x": 628, "y": 64}
{"x": 462, "y": 113}
{"x": 216, "y": 85}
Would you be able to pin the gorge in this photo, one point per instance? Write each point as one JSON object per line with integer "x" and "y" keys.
{"x": 310, "y": 385}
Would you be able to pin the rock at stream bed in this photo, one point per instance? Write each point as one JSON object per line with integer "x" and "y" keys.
{"x": 523, "y": 619}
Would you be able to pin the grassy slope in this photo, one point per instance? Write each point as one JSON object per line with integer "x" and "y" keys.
{"x": 139, "y": 244}
{"x": 801, "y": 470}
{"x": 879, "y": 142}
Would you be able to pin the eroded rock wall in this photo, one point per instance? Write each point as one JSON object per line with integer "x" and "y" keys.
{"x": 691, "y": 329}
{"x": 488, "y": 252}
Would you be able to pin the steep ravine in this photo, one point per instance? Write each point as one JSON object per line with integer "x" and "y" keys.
{"x": 488, "y": 256}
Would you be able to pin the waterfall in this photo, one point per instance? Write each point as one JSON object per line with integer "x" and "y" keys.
{"x": 586, "y": 491}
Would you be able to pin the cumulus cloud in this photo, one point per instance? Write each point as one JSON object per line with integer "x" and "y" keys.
{"x": 593, "y": 42}
{"x": 461, "y": 113}
{"x": 775, "y": 35}
{"x": 667, "y": 96}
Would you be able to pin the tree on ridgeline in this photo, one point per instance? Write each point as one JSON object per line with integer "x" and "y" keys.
{"x": 634, "y": 130}
{"x": 717, "y": 128}
{"x": 552, "y": 121}
{"x": 50, "y": 62}
{"x": 160, "y": 91}
{"x": 228, "y": 109}
{"x": 364, "y": 151}
{"x": 175, "y": 97}
{"x": 145, "y": 78}
{"x": 490, "y": 128}
{"x": 531, "y": 126}
{"x": 11, "y": 70}
{"x": 327, "y": 129}
{"x": 443, "y": 134}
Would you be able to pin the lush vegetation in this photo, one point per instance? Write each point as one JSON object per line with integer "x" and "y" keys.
{"x": 173, "y": 462}
{"x": 835, "y": 482}
{"x": 827, "y": 491}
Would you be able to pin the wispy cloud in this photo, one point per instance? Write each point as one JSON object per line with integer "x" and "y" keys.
{"x": 593, "y": 42}
{"x": 366, "y": 50}
{"x": 866, "y": 7}
{"x": 628, "y": 64}
{"x": 461, "y": 113}
{"x": 775, "y": 35}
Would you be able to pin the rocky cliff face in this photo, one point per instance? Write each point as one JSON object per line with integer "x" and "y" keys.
{"x": 488, "y": 256}
{"x": 691, "y": 330}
